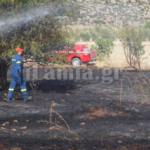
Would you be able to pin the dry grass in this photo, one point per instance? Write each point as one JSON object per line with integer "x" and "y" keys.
{"x": 54, "y": 125}
{"x": 117, "y": 58}
{"x": 140, "y": 85}
{"x": 99, "y": 111}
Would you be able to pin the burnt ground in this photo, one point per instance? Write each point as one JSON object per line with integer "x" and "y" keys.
{"x": 99, "y": 116}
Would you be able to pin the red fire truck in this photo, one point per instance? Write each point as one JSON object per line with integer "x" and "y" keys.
{"x": 79, "y": 54}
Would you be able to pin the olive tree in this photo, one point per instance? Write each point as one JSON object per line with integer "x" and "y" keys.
{"x": 131, "y": 39}
{"x": 147, "y": 26}
{"x": 33, "y": 25}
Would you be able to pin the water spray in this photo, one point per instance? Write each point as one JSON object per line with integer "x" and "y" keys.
{"x": 25, "y": 17}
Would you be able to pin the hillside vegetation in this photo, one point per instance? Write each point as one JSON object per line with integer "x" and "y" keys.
{"x": 113, "y": 12}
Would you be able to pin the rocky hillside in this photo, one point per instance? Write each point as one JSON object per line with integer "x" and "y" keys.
{"x": 113, "y": 12}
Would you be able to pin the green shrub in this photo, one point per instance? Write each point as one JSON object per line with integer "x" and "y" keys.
{"x": 103, "y": 47}
{"x": 84, "y": 35}
{"x": 99, "y": 22}
{"x": 35, "y": 34}
{"x": 106, "y": 32}
{"x": 56, "y": 54}
{"x": 148, "y": 34}
{"x": 132, "y": 39}
{"x": 57, "y": 58}
{"x": 93, "y": 34}
{"x": 103, "y": 32}
{"x": 147, "y": 25}
{"x": 75, "y": 35}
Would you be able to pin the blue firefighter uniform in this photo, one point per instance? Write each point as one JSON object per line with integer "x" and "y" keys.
{"x": 16, "y": 78}
{"x": 59, "y": 15}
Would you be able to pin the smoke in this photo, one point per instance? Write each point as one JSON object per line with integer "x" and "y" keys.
{"x": 19, "y": 19}
{"x": 23, "y": 18}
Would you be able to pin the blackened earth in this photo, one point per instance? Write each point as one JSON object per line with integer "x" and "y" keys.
{"x": 100, "y": 117}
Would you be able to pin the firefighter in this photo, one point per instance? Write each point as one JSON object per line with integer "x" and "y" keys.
{"x": 16, "y": 76}
{"x": 59, "y": 15}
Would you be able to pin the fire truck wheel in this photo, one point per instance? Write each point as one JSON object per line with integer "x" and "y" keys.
{"x": 76, "y": 62}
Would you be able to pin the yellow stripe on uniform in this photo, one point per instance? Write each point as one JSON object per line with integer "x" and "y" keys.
{"x": 23, "y": 90}
{"x": 11, "y": 89}
{"x": 13, "y": 59}
{"x": 18, "y": 62}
